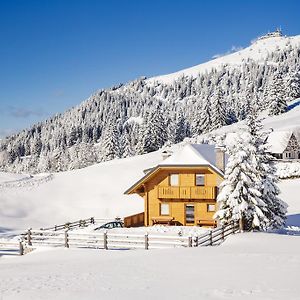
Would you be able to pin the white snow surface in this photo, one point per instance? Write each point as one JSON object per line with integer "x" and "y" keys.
{"x": 258, "y": 51}
{"x": 93, "y": 191}
{"x": 278, "y": 140}
{"x": 289, "y": 169}
{"x": 192, "y": 154}
{"x": 246, "y": 266}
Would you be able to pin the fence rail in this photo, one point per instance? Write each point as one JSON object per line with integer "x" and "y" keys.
{"x": 79, "y": 223}
{"x": 110, "y": 240}
{"x": 11, "y": 247}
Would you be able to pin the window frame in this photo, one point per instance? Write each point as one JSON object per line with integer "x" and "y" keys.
{"x": 203, "y": 176}
{"x": 208, "y": 205}
{"x": 170, "y": 179}
{"x": 160, "y": 211}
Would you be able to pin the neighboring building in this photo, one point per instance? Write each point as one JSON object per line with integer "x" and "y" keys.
{"x": 284, "y": 144}
{"x": 182, "y": 189}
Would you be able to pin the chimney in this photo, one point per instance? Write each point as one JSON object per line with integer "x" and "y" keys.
{"x": 165, "y": 154}
{"x": 220, "y": 157}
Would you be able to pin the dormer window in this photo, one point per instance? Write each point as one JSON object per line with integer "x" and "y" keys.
{"x": 200, "y": 179}
{"x": 174, "y": 179}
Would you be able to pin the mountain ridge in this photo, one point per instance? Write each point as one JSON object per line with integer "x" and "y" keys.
{"x": 269, "y": 43}
{"x": 142, "y": 116}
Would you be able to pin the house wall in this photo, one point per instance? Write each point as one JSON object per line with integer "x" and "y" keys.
{"x": 177, "y": 207}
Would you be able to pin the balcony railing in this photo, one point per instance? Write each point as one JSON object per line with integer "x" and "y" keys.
{"x": 189, "y": 192}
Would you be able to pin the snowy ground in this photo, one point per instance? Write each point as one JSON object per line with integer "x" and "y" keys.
{"x": 246, "y": 266}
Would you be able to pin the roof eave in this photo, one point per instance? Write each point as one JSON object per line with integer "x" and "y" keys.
{"x": 149, "y": 174}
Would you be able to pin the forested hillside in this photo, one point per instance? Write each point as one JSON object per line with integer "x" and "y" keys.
{"x": 144, "y": 115}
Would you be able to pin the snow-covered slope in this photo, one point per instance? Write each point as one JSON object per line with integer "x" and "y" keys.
{"x": 93, "y": 191}
{"x": 42, "y": 200}
{"x": 258, "y": 52}
{"x": 286, "y": 121}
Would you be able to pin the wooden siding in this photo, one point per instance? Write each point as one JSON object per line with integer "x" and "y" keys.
{"x": 134, "y": 220}
{"x": 158, "y": 190}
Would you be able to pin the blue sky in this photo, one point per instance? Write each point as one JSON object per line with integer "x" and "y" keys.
{"x": 54, "y": 54}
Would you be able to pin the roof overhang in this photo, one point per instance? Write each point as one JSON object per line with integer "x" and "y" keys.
{"x": 156, "y": 169}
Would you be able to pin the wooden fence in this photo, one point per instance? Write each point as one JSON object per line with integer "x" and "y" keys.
{"x": 11, "y": 247}
{"x": 111, "y": 240}
{"x": 79, "y": 223}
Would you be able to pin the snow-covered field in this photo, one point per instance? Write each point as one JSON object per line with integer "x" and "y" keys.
{"x": 245, "y": 266}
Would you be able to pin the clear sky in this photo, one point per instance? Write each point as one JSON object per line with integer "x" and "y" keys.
{"x": 56, "y": 53}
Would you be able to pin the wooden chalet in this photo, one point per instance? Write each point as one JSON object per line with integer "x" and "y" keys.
{"x": 181, "y": 189}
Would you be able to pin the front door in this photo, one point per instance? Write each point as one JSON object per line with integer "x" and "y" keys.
{"x": 190, "y": 214}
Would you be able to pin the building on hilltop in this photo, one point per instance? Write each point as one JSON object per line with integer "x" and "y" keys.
{"x": 182, "y": 189}
{"x": 284, "y": 144}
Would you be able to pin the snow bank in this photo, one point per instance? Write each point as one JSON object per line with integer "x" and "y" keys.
{"x": 288, "y": 169}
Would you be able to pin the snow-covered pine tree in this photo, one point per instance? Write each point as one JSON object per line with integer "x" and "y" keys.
{"x": 154, "y": 133}
{"x": 293, "y": 85}
{"x": 197, "y": 120}
{"x": 240, "y": 196}
{"x": 111, "y": 142}
{"x": 205, "y": 115}
{"x": 180, "y": 128}
{"x": 275, "y": 208}
{"x": 126, "y": 146}
{"x": 218, "y": 116}
{"x": 276, "y": 95}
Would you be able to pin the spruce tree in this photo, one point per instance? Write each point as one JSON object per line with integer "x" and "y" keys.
{"x": 240, "y": 196}
{"x": 293, "y": 85}
{"x": 276, "y": 208}
{"x": 276, "y": 96}
{"x": 218, "y": 116}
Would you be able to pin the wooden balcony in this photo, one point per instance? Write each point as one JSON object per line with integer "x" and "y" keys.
{"x": 190, "y": 192}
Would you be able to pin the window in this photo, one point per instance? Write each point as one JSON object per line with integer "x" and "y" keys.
{"x": 164, "y": 209}
{"x": 211, "y": 207}
{"x": 174, "y": 179}
{"x": 200, "y": 179}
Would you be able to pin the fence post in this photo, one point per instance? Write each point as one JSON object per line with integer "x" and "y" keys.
{"x": 196, "y": 241}
{"x": 92, "y": 220}
{"x": 66, "y": 239}
{"x": 190, "y": 241}
{"x": 29, "y": 237}
{"x": 211, "y": 237}
{"x": 55, "y": 227}
{"x": 105, "y": 240}
{"x": 146, "y": 241}
{"x": 223, "y": 235}
{"x": 21, "y": 248}
{"x": 232, "y": 227}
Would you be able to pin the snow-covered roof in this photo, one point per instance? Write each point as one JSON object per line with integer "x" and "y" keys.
{"x": 189, "y": 155}
{"x": 192, "y": 154}
{"x": 278, "y": 140}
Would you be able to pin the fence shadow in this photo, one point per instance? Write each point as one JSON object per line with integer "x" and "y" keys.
{"x": 292, "y": 226}
{"x": 290, "y": 107}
